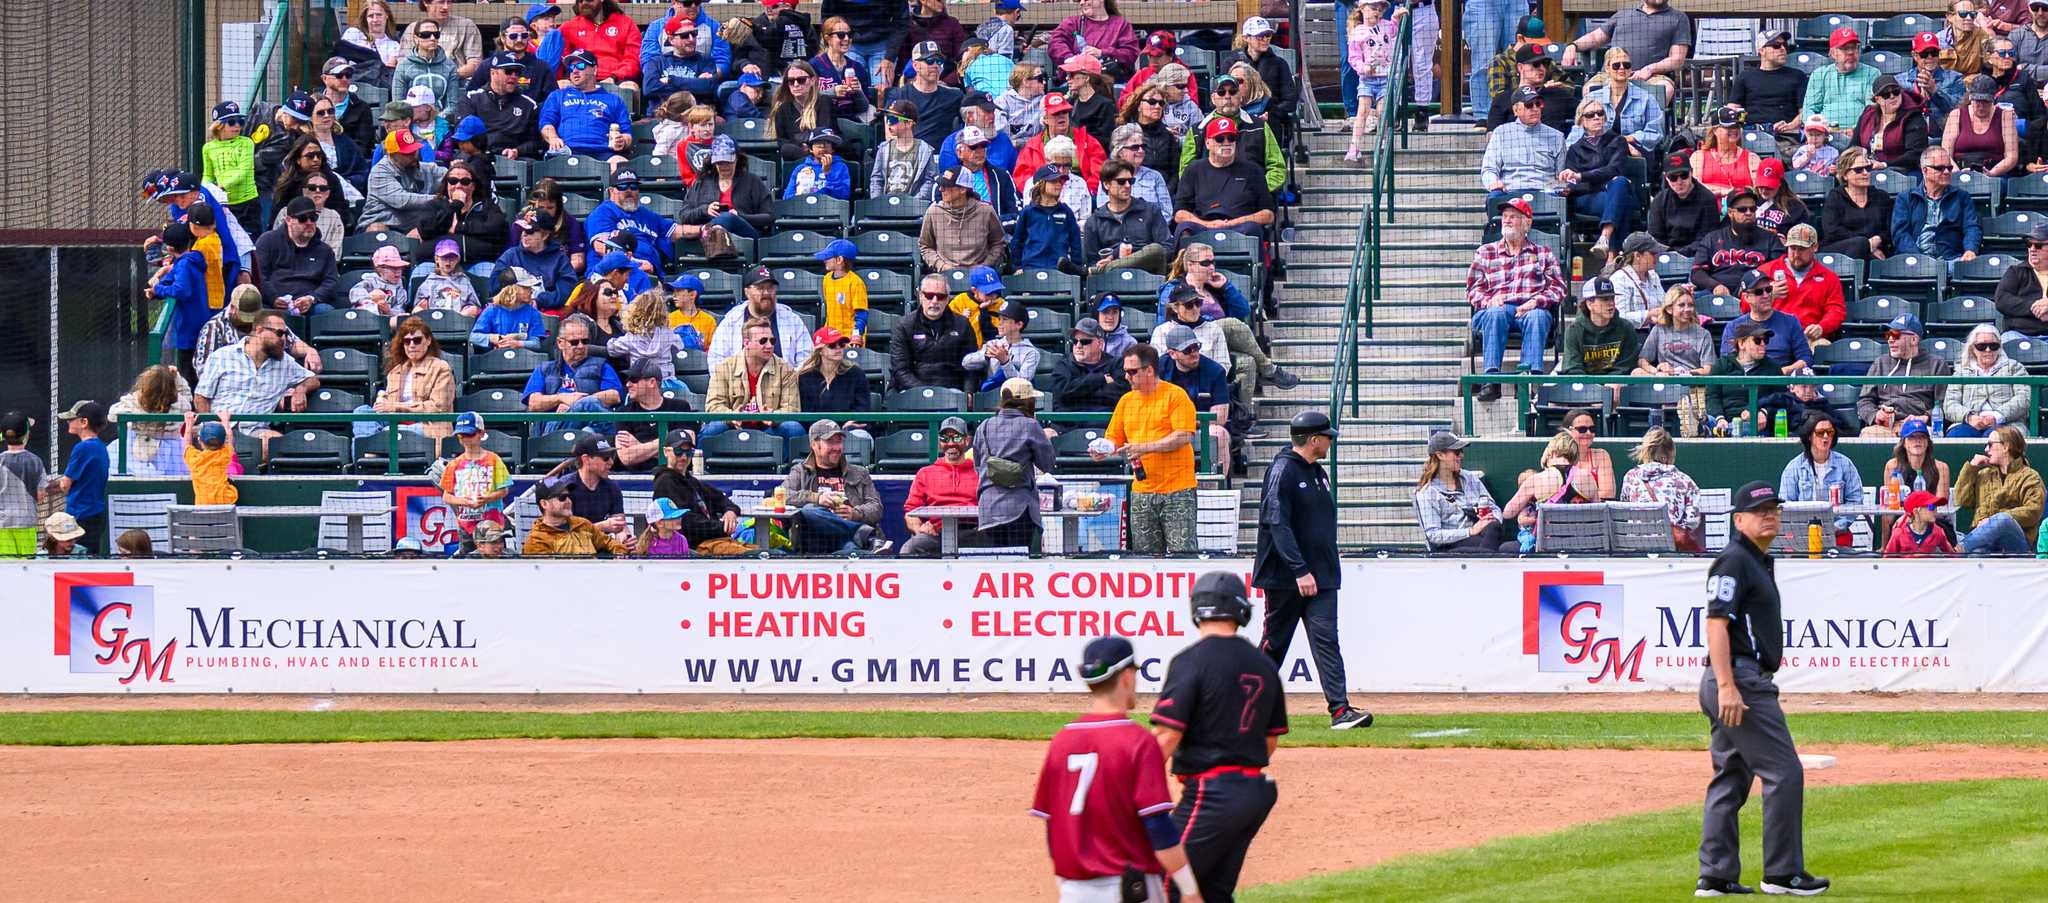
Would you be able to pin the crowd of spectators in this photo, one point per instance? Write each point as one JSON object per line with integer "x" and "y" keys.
{"x": 1659, "y": 218}
{"x": 427, "y": 206}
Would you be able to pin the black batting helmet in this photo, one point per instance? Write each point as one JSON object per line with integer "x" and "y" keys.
{"x": 1219, "y": 595}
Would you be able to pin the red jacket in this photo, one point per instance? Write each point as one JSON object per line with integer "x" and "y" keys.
{"x": 615, "y": 42}
{"x": 1815, "y": 300}
{"x": 1089, "y": 167}
{"x": 940, "y": 483}
{"x": 1903, "y": 543}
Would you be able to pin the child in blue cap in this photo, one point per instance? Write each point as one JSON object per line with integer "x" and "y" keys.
{"x": 845, "y": 293}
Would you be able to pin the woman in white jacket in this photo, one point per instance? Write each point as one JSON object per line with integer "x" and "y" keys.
{"x": 1975, "y": 409}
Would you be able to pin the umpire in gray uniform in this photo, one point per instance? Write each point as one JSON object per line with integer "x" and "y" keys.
{"x": 1745, "y": 629}
{"x": 1297, "y": 560}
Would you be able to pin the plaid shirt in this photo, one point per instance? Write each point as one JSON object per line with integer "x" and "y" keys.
{"x": 233, "y": 383}
{"x": 1512, "y": 277}
{"x": 1523, "y": 157}
{"x": 220, "y": 333}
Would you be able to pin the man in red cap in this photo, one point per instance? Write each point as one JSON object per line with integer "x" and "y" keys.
{"x": 1221, "y": 190}
{"x": 1839, "y": 92}
{"x": 401, "y": 188}
{"x": 1514, "y": 285}
{"x": 1932, "y": 87}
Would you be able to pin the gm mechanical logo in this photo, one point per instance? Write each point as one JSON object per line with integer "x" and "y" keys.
{"x": 1575, "y": 624}
{"x": 104, "y": 625}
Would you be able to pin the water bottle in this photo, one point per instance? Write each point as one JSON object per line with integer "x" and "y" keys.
{"x": 697, "y": 462}
{"x": 1778, "y": 425}
{"x": 1526, "y": 539}
{"x": 1919, "y": 482}
{"x": 1935, "y": 426}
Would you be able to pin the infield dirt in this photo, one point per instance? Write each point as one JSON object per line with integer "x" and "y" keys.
{"x": 858, "y": 820}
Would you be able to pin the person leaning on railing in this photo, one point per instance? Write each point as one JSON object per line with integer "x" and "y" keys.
{"x": 1820, "y": 469}
{"x": 2004, "y": 490}
{"x": 1452, "y": 504}
{"x": 1656, "y": 478}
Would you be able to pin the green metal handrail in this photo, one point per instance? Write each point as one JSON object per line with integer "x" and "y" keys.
{"x": 1363, "y": 290}
{"x": 1753, "y": 383}
{"x": 931, "y": 420}
{"x": 280, "y": 19}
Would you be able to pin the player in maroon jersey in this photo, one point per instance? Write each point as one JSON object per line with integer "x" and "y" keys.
{"x": 1103, "y": 794}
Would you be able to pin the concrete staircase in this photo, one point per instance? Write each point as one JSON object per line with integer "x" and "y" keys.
{"x": 1409, "y": 366}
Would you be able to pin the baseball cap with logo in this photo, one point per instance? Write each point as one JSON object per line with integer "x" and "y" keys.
{"x": 402, "y": 141}
{"x": 929, "y": 52}
{"x": 580, "y": 59}
{"x": 1521, "y": 206}
{"x": 15, "y": 426}
{"x": 420, "y": 96}
{"x": 985, "y": 280}
{"x": 625, "y": 177}
{"x": 1755, "y": 495}
{"x": 759, "y": 275}
{"x": 1924, "y": 42}
{"x": 724, "y": 149}
{"x": 1755, "y": 281}
{"x": 1802, "y": 236}
{"x": 1161, "y": 42}
{"x": 972, "y": 136}
{"x": 1082, "y": 62}
{"x": 1843, "y": 37}
{"x": 1445, "y": 440}
{"x": 338, "y": 67}
{"x": 951, "y": 178}
{"x": 228, "y": 111}
{"x": 1218, "y": 127}
{"x": 1907, "y": 323}
{"x": 1104, "y": 658}
{"x": 1528, "y": 95}
{"x": 299, "y": 106}
{"x": 447, "y": 247}
{"x": 593, "y": 444}
{"x": 1257, "y": 27}
{"x": 825, "y": 429}
{"x": 488, "y": 532}
{"x": 524, "y": 279}
{"x": 469, "y": 423}
{"x": 507, "y": 61}
{"x": 1057, "y": 103}
{"x": 1597, "y": 287}
{"x": 1088, "y": 327}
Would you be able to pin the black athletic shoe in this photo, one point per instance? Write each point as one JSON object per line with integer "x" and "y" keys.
{"x": 1800, "y": 885}
{"x": 1350, "y": 718}
{"x": 1488, "y": 392}
{"x": 1282, "y": 379}
{"x": 1715, "y": 887}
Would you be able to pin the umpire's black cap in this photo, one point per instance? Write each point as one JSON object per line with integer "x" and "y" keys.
{"x": 1219, "y": 595}
{"x": 1755, "y": 495}
{"x": 1312, "y": 423}
{"x": 1104, "y": 657}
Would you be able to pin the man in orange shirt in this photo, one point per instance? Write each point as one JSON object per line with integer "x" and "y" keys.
{"x": 1153, "y": 427}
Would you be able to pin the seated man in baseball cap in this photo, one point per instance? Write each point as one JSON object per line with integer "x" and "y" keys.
{"x": 949, "y": 481}
{"x": 560, "y": 533}
{"x": 838, "y": 507}
{"x": 709, "y": 517}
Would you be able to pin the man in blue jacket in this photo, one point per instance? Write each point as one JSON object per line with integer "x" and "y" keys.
{"x": 622, "y": 212}
{"x": 706, "y": 30}
{"x": 1934, "y": 218}
{"x": 584, "y": 118}
{"x": 683, "y": 67}
{"x": 540, "y": 254}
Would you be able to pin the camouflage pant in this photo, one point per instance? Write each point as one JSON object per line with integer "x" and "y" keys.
{"x": 1163, "y": 522}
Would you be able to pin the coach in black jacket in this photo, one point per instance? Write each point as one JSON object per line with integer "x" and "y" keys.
{"x": 1296, "y": 562}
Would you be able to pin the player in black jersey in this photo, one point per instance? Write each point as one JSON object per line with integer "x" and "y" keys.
{"x": 1219, "y": 716}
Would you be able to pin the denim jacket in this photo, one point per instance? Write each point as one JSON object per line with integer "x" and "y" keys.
{"x": 1800, "y": 484}
{"x": 1640, "y": 118}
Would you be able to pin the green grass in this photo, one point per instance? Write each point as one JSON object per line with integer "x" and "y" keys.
{"x": 1965, "y": 840}
{"x": 1539, "y": 730}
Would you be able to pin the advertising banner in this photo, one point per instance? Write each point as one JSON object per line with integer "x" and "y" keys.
{"x": 971, "y": 626}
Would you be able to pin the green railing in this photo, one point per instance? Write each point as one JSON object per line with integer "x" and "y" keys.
{"x": 1363, "y": 290}
{"x": 929, "y": 419}
{"x": 1752, "y": 383}
{"x": 280, "y": 23}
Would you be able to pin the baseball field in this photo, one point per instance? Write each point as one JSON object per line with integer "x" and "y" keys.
{"x": 914, "y": 798}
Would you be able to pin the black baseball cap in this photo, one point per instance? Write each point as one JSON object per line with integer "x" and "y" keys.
{"x": 1747, "y": 327}
{"x": 1755, "y": 495}
{"x": 1104, "y": 657}
{"x": 593, "y": 444}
